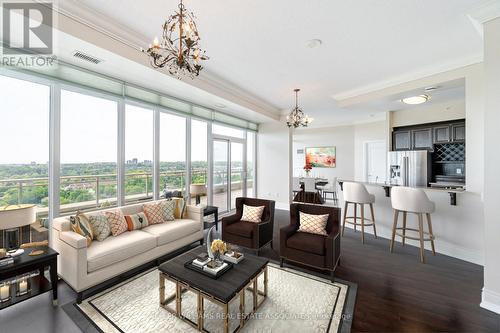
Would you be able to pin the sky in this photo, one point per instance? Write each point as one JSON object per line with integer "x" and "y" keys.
{"x": 88, "y": 128}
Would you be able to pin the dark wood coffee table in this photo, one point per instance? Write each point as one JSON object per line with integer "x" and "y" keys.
{"x": 221, "y": 291}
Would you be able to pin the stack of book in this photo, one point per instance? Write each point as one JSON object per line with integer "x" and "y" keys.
{"x": 212, "y": 269}
{"x": 6, "y": 261}
{"x": 233, "y": 257}
{"x": 201, "y": 260}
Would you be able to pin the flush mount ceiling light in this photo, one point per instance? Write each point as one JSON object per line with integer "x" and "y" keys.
{"x": 297, "y": 117}
{"x": 314, "y": 43}
{"x": 178, "y": 49}
{"x": 415, "y": 100}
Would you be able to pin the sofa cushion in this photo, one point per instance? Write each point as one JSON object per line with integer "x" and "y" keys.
{"x": 242, "y": 228}
{"x": 116, "y": 222}
{"x": 80, "y": 224}
{"x": 159, "y": 211}
{"x": 172, "y": 230}
{"x": 115, "y": 249}
{"x": 307, "y": 242}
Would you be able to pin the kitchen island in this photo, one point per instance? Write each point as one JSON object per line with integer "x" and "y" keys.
{"x": 458, "y": 228}
{"x": 387, "y": 189}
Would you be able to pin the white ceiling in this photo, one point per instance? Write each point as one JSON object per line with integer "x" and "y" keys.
{"x": 260, "y": 45}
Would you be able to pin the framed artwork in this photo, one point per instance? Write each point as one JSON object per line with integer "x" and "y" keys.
{"x": 322, "y": 157}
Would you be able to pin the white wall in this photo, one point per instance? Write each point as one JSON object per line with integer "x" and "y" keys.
{"x": 341, "y": 137}
{"x": 274, "y": 163}
{"x": 363, "y": 133}
{"x": 491, "y": 290}
{"x": 430, "y": 114}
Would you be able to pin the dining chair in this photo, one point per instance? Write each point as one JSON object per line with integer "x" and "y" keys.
{"x": 310, "y": 185}
{"x": 295, "y": 185}
{"x": 330, "y": 188}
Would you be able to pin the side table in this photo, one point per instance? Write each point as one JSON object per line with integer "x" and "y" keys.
{"x": 209, "y": 210}
{"x": 39, "y": 284}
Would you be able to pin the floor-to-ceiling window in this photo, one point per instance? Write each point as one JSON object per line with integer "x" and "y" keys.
{"x": 24, "y": 144}
{"x": 250, "y": 164}
{"x": 93, "y": 147}
{"x": 172, "y": 153}
{"x": 88, "y": 152}
{"x": 139, "y": 139}
{"x": 199, "y": 158}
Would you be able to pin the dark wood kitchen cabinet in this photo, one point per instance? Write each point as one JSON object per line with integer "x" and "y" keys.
{"x": 401, "y": 140}
{"x": 458, "y": 132}
{"x": 421, "y": 139}
{"x": 425, "y": 136}
{"x": 442, "y": 134}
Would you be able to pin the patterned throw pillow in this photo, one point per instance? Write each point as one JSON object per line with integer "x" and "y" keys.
{"x": 100, "y": 226}
{"x": 159, "y": 211}
{"x": 252, "y": 213}
{"x": 180, "y": 207}
{"x": 136, "y": 221}
{"x": 313, "y": 224}
{"x": 81, "y": 225}
{"x": 116, "y": 222}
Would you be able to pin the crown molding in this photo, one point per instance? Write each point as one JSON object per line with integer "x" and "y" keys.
{"x": 79, "y": 12}
{"x": 408, "y": 77}
{"x": 484, "y": 13}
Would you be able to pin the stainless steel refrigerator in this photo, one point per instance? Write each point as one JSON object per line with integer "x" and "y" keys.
{"x": 410, "y": 168}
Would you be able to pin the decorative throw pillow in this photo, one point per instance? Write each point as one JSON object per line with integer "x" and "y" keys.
{"x": 180, "y": 207}
{"x": 116, "y": 222}
{"x": 252, "y": 213}
{"x": 136, "y": 221}
{"x": 100, "y": 226}
{"x": 81, "y": 225}
{"x": 313, "y": 224}
{"x": 159, "y": 211}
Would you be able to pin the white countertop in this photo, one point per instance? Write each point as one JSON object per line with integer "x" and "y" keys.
{"x": 425, "y": 188}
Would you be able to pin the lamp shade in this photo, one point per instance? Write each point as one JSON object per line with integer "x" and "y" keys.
{"x": 197, "y": 189}
{"x": 15, "y": 216}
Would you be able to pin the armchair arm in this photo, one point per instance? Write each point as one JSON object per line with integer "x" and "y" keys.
{"x": 73, "y": 239}
{"x": 265, "y": 232}
{"x": 230, "y": 220}
{"x": 285, "y": 233}
{"x": 332, "y": 244}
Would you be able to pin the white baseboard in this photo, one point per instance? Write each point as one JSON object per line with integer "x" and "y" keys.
{"x": 490, "y": 300}
{"x": 442, "y": 247}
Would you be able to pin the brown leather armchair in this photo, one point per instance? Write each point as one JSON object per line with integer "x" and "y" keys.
{"x": 249, "y": 234}
{"x": 318, "y": 251}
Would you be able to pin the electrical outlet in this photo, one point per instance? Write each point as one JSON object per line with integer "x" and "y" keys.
{"x": 459, "y": 171}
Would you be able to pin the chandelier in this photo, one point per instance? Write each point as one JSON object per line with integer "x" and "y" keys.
{"x": 297, "y": 117}
{"x": 178, "y": 49}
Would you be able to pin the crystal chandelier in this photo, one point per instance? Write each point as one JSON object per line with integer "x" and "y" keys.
{"x": 297, "y": 117}
{"x": 178, "y": 49}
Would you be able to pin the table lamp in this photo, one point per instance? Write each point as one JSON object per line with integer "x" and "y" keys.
{"x": 197, "y": 190}
{"x": 12, "y": 219}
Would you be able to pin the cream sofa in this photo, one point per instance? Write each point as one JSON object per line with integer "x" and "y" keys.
{"x": 83, "y": 267}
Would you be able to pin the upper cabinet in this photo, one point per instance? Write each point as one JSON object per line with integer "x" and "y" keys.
{"x": 458, "y": 132}
{"x": 401, "y": 140}
{"x": 423, "y": 137}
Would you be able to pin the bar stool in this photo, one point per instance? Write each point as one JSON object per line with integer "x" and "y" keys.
{"x": 356, "y": 194}
{"x": 412, "y": 200}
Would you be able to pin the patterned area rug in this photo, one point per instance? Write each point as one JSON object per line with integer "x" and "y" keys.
{"x": 297, "y": 302}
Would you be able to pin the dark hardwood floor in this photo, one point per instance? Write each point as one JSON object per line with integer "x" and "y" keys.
{"x": 396, "y": 293}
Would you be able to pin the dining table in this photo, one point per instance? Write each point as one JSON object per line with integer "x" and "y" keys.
{"x": 311, "y": 197}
